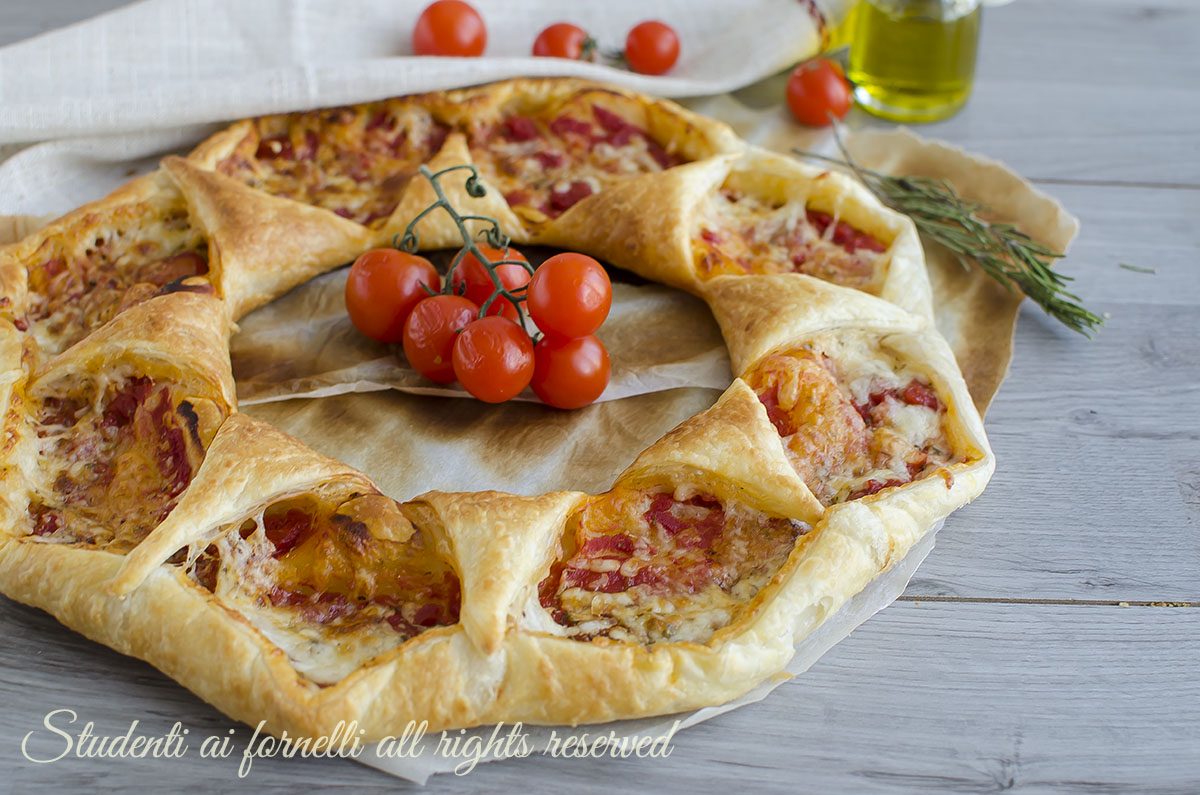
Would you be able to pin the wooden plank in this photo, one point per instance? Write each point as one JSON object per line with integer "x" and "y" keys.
{"x": 1096, "y": 490}
{"x": 926, "y": 697}
{"x": 24, "y": 20}
{"x": 1141, "y": 227}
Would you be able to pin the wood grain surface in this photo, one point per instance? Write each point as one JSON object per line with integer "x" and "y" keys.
{"x": 1048, "y": 644}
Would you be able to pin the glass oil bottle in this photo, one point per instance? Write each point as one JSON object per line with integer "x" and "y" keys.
{"x": 913, "y": 60}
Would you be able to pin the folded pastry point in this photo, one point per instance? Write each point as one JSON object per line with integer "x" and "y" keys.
{"x": 18, "y": 451}
{"x": 644, "y": 223}
{"x": 548, "y": 145}
{"x": 499, "y": 542}
{"x": 323, "y": 570}
{"x": 437, "y": 230}
{"x": 76, "y": 273}
{"x": 866, "y": 412}
{"x": 766, "y": 312}
{"x": 263, "y": 245}
{"x": 248, "y": 465}
{"x": 773, "y": 214}
{"x": 733, "y": 451}
{"x": 14, "y": 284}
{"x": 121, "y": 421}
{"x": 182, "y": 336}
{"x": 220, "y": 145}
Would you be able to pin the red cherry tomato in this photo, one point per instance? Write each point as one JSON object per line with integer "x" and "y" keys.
{"x": 449, "y": 27}
{"x": 383, "y": 287}
{"x": 569, "y": 295}
{"x": 471, "y": 276}
{"x": 651, "y": 48}
{"x": 564, "y": 40}
{"x": 570, "y": 373}
{"x": 493, "y": 359}
{"x": 430, "y": 333}
{"x": 816, "y": 89}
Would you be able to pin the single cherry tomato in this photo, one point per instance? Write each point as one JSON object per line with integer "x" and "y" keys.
{"x": 472, "y": 277}
{"x": 383, "y": 287}
{"x": 493, "y": 359}
{"x": 449, "y": 27}
{"x": 564, "y": 40}
{"x": 569, "y": 295}
{"x": 816, "y": 89}
{"x": 651, "y": 47}
{"x": 430, "y": 332}
{"x": 570, "y": 373}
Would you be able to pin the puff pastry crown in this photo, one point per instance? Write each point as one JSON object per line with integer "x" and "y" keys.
{"x": 143, "y": 510}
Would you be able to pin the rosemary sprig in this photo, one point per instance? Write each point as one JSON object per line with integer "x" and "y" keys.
{"x": 410, "y": 240}
{"x": 1005, "y": 253}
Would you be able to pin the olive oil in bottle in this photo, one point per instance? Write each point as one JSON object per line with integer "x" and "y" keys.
{"x": 914, "y": 60}
{"x": 842, "y": 33}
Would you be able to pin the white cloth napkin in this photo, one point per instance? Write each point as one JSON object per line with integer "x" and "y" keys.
{"x": 166, "y": 63}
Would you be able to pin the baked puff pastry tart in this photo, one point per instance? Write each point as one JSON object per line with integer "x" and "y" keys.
{"x": 144, "y": 511}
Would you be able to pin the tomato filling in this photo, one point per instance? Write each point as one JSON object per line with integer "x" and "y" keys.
{"x": 354, "y": 161}
{"x": 741, "y": 234}
{"x": 75, "y": 292}
{"x": 548, "y": 161}
{"x": 324, "y": 565}
{"x": 124, "y": 464}
{"x": 649, "y": 566}
{"x": 851, "y": 435}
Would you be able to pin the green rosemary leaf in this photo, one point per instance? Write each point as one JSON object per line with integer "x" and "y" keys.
{"x": 1136, "y": 268}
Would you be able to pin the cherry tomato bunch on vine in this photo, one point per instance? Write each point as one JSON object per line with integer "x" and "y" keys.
{"x": 471, "y": 327}
{"x": 651, "y": 47}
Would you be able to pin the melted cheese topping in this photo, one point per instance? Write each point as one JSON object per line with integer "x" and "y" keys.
{"x": 739, "y": 233}
{"x": 353, "y": 161}
{"x": 115, "y": 457}
{"x": 649, "y": 567}
{"x": 334, "y": 586}
{"x": 83, "y": 276}
{"x": 851, "y": 424}
{"x": 547, "y": 161}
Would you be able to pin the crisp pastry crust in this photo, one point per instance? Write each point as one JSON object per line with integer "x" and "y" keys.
{"x": 281, "y": 585}
{"x": 655, "y": 225}
{"x": 76, "y": 273}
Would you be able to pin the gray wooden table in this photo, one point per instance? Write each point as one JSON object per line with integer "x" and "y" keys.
{"x": 1050, "y": 642}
